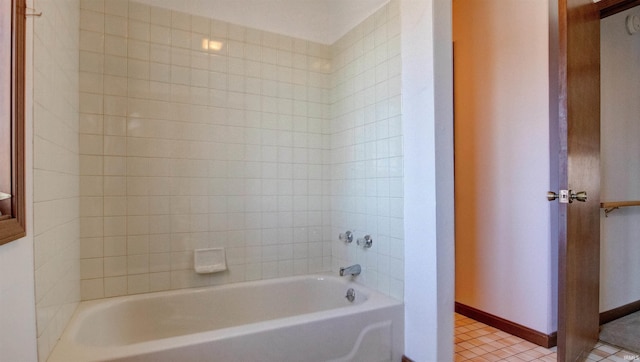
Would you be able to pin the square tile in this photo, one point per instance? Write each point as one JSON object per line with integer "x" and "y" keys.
{"x": 477, "y": 342}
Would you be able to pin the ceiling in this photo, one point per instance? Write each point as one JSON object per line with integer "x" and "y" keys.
{"x": 322, "y": 21}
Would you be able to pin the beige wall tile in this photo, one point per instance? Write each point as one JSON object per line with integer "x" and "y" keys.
{"x": 236, "y": 147}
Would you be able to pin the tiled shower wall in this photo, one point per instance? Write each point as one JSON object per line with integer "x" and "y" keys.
{"x": 366, "y": 154}
{"x": 56, "y": 219}
{"x": 197, "y": 133}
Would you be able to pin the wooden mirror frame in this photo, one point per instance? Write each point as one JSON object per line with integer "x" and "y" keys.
{"x": 610, "y": 7}
{"x": 14, "y": 227}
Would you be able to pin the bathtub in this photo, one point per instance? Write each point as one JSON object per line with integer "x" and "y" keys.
{"x": 305, "y": 318}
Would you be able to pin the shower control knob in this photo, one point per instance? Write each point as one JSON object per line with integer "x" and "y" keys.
{"x": 347, "y": 237}
{"x": 366, "y": 242}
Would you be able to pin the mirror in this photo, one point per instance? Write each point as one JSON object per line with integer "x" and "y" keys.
{"x": 12, "y": 95}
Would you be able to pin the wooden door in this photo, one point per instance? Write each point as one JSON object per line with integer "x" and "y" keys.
{"x": 575, "y": 111}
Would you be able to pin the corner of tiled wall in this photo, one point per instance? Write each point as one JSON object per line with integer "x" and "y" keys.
{"x": 199, "y": 133}
{"x": 366, "y": 151}
{"x": 260, "y": 143}
{"x": 56, "y": 169}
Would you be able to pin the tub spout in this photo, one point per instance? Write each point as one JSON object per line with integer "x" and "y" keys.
{"x": 353, "y": 270}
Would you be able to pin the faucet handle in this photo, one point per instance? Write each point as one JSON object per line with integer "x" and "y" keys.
{"x": 366, "y": 241}
{"x": 347, "y": 237}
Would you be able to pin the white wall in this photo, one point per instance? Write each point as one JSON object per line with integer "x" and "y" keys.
{"x": 427, "y": 123}
{"x": 56, "y": 223}
{"x": 17, "y": 307}
{"x": 620, "y": 166}
{"x": 17, "y": 300}
{"x": 503, "y": 248}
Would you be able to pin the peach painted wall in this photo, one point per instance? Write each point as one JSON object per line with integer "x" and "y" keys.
{"x": 503, "y": 248}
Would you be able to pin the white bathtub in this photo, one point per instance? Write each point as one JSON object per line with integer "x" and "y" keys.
{"x": 300, "y": 319}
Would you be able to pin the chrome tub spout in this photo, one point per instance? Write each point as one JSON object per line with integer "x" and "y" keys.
{"x": 353, "y": 270}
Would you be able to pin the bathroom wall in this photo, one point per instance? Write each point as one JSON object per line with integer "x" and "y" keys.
{"x": 56, "y": 215}
{"x": 620, "y": 168}
{"x": 366, "y": 150}
{"x": 197, "y": 133}
{"x": 504, "y": 254}
{"x": 17, "y": 313}
{"x": 427, "y": 124}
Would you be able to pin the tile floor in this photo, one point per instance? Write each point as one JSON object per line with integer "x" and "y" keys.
{"x": 476, "y": 341}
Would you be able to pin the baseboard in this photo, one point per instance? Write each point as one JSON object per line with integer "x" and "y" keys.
{"x": 526, "y": 333}
{"x": 533, "y": 336}
{"x": 613, "y": 314}
{"x": 406, "y": 359}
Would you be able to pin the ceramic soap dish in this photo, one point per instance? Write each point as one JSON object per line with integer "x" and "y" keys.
{"x": 209, "y": 260}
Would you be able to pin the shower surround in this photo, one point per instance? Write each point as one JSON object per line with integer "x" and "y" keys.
{"x": 199, "y": 133}
{"x": 194, "y": 133}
